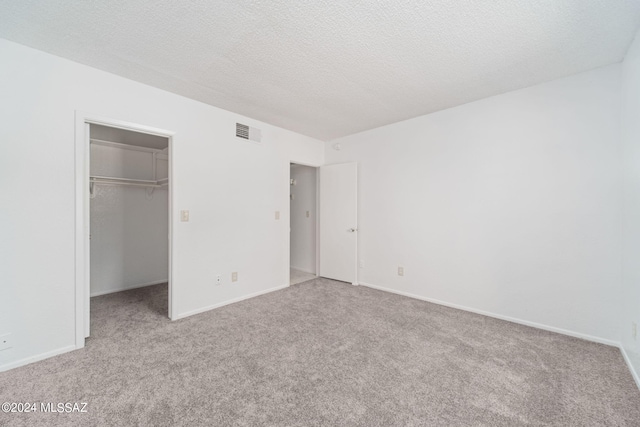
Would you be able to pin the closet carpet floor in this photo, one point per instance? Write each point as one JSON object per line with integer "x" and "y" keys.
{"x": 298, "y": 276}
{"x": 322, "y": 353}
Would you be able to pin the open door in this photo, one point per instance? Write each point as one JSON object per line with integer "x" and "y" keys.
{"x": 339, "y": 222}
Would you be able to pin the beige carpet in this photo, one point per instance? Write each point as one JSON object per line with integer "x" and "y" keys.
{"x": 323, "y": 353}
{"x": 298, "y": 276}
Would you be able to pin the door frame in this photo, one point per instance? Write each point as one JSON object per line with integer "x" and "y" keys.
{"x": 83, "y": 121}
{"x": 288, "y": 216}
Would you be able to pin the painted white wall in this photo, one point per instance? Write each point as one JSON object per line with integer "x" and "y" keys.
{"x": 303, "y": 228}
{"x": 129, "y": 229}
{"x": 631, "y": 203}
{"x": 510, "y": 205}
{"x": 232, "y": 188}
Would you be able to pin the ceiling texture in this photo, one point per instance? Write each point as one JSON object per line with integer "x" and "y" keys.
{"x": 330, "y": 68}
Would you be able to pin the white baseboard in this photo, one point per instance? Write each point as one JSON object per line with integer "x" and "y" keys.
{"x": 634, "y": 374}
{"x": 499, "y": 316}
{"x": 127, "y": 288}
{"x": 231, "y": 301}
{"x": 36, "y": 358}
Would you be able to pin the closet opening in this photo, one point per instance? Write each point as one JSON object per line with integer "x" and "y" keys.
{"x": 128, "y": 217}
{"x": 303, "y": 218}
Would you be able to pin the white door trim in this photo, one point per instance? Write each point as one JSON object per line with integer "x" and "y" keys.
{"x": 82, "y": 247}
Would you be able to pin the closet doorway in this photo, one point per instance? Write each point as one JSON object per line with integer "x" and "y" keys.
{"x": 124, "y": 221}
{"x": 303, "y": 182}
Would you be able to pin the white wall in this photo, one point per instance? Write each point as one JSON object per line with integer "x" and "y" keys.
{"x": 631, "y": 218}
{"x": 232, "y": 188}
{"x": 510, "y": 205}
{"x": 129, "y": 229}
{"x": 303, "y": 228}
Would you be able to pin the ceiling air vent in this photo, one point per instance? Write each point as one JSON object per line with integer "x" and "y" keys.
{"x": 248, "y": 132}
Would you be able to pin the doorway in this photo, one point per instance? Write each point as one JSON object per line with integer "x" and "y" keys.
{"x": 123, "y": 212}
{"x": 128, "y": 210}
{"x": 303, "y": 223}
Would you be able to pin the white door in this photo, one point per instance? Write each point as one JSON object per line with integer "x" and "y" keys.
{"x": 339, "y": 222}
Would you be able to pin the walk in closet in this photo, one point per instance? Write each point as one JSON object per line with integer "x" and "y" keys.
{"x": 129, "y": 204}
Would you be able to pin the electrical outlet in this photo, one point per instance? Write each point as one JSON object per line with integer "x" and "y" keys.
{"x": 634, "y": 330}
{"x": 184, "y": 216}
{"x": 277, "y": 214}
{"x": 6, "y": 342}
{"x": 400, "y": 271}
{"x": 361, "y": 263}
{"x": 218, "y": 280}
{"x": 234, "y": 276}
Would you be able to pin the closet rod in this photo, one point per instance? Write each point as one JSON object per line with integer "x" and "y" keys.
{"x": 133, "y": 184}
{"x": 148, "y": 184}
{"x": 127, "y": 181}
{"x": 122, "y": 180}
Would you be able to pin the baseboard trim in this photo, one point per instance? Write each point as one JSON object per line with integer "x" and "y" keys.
{"x": 128, "y": 288}
{"x": 231, "y": 301}
{"x": 499, "y": 316}
{"x": 634, "y": 374}
{"x": 36, "y": 358}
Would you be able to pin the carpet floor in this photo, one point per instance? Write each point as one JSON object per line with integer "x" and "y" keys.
{"x": 297, "y": 276}
{"x": 322, "y": 353}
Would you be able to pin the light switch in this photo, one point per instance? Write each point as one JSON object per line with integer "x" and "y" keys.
{"x": 184, "y": 216}
{"x": 277, "y": 214}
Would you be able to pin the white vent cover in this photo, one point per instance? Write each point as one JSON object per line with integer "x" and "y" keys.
{"x": 248, "y": 132}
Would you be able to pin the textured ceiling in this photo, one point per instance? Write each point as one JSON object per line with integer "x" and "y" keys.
{"x": 330, "y": 68}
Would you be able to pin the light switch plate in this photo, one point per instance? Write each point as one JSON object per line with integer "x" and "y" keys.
{"x": 184, "y": 216}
